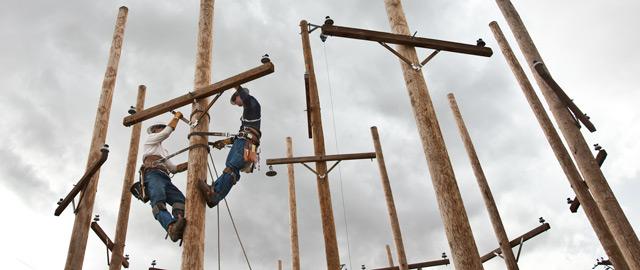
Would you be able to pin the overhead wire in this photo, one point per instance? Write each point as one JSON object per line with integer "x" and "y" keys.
{"x": 335, "y": 137}
{"x": 244, "y": 252}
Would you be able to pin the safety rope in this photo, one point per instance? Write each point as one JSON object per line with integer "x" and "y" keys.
{"x": 335, "y": 136}
{"x": 244, "y": 252}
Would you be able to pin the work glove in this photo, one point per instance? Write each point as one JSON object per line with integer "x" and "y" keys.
{"x": 174, "y": 121}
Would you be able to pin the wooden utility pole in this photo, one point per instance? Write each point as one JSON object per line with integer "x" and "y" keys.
{"x": 389, "y": 255}
{"x": 618, "y": 223}
{"x": 80, "y": 233}
{"x": 293, "y": 216}
{"x": 193, "y": 238}
{"x": 489, "y": 202}
{"x": 562, "y": 155}
{"x": 125, "y": 198}
{"x": 391, "y": 207}
{"x": 324, "y": 194}
{"x": 454, "y": 216}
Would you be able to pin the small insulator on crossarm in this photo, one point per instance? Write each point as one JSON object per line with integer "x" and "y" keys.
{"x": 265, "y": 59}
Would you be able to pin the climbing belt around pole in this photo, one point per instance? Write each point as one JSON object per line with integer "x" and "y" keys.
{"x": 244, "y": 252}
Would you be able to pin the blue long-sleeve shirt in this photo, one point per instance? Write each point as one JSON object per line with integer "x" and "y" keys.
{"x": 251, "y": 113}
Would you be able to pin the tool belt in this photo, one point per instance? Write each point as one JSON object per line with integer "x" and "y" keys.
{"x": 152, "y": 163}
{"x": 251, "y": 154}
{"x": 148, "y": 163}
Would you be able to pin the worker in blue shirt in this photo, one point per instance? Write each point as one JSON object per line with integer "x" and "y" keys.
{"x": 243, "y": 153}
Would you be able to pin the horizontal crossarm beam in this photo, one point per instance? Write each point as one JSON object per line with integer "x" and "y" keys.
{"x": 219, "y": 87}
{"x": 355, "y": 33}
{"x": 531, "y": 234}
{"x": 275, "y": 161}
{"x": 419, "y": 265}
{"x": 82, "y": 183}
{"x": 105, "y": 239}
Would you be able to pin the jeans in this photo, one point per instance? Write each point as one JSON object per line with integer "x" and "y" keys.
{"x": 161, "y": 191}
{"x": 235, "y": 162}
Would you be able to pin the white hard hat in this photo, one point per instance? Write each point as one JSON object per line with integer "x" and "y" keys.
{"x": 161, "y": 125}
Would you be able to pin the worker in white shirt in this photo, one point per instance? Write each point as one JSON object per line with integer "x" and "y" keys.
{"x": 157, "y": 183}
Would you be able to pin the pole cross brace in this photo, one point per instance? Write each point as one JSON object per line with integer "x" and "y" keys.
{"x": 518, "y": 241}
{"x": 106, "y": 240}
{"x": 82, "y": 183}
{"x": 543, "y": 72}
{"x": 264, "y": 69}
{"x": 322, "y": 176}
{"x": 416, "y": 67}
{"x": 600, "y": 157}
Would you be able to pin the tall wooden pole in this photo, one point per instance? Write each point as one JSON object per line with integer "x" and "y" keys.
{"x": 293, "y": 216}
{"x": 324, "y": 194}
{"x": 618, "y": 223}
{"x": 568, "y": 167}
{"x": 489, "y": 202}
{"x": 389, "y": 255}
{"x": 193, "y": 244}
{"x": 454, "y": 216}
{"x": 125, "y": 197}
{"x": 80, "y": 233}
{"x": 391, "y": 206}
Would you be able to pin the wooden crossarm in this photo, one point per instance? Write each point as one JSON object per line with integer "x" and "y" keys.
{"x": 219, "y": 87}
{"x": 82, "y": 183}
{"x": 419, "y": 265}
{"x": 542, "y": 71}
{"x": 600, "y": 157}
{"x": 531, "y": 234}
{"x": 275, "y": 161}
{"x": 355, "y": 33}
{"x": 106, "y": 240}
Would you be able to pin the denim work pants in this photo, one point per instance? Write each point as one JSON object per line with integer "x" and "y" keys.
{"x": 161, "y": 191}
{"x": 235, "y": 162}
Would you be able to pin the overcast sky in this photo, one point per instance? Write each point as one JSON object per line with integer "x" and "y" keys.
{"x": 53, "y": 56}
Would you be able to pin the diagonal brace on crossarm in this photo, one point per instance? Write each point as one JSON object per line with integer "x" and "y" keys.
{"x": 306, "y": 159}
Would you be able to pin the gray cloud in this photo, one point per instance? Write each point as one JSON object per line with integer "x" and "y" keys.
{"x": 54, "y": 55}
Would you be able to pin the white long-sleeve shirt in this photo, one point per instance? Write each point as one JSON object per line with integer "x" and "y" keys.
{"x": 153, "y": 147}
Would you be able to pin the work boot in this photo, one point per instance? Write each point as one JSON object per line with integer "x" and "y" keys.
{"x": 208, "y": 193}
{"x": 176, "y": 228}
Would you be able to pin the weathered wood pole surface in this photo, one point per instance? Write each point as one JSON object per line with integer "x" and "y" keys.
{"x": 279, "y": 264}
{"x": 293, "y": 208}
{"x": 193, "y": 244}
{"x": 391, "y": 206}
{"x": 389, "y": 255}
{"x": 618, "y": 223}
{"x": 125, "y": 199}
{"x": 80, "y": 233}
{"x": 324, "y": 194}
{"x": 483, "y": 184}
{"x": 454, "y": 216}
{"x": 562, "y": 155}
